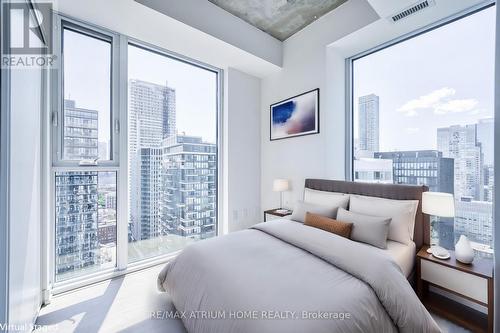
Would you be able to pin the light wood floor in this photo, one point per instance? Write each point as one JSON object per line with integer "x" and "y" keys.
{"x": 125, "y": 305}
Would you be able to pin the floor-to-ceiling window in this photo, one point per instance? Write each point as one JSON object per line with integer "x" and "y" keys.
{"x": 423, "y": 114}
{"x": 134, "y": 152}
{"x": 172, "y": 144}
{"x": 85, "y": 195}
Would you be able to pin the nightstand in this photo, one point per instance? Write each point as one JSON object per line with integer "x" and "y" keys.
{"x": 272, "y": 214}
{"x": 472, "y": 282}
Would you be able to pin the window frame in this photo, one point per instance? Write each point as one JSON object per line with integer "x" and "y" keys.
{"x": 119, "y": 150}
{"x": 129, "y": 41}
{"x": 349, "y": 76}
{"x": 57, "y": 93}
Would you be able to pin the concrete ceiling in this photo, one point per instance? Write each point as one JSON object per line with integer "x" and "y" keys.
{"x": 279, "y": 18}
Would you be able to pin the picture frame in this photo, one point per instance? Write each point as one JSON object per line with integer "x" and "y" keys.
{"x": 295, "y": 116}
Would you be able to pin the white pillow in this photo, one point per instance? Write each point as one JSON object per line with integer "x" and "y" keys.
{"x": 326, "y": 198}
{"x": 301, "y": 208}
{"x": 401, "y": 212}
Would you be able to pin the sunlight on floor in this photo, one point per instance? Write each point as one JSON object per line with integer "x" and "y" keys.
{"x": 121, "y": 305}
{"x": 125, "y": 304}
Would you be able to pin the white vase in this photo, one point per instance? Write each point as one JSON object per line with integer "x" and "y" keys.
{"x": 463, "y": 251}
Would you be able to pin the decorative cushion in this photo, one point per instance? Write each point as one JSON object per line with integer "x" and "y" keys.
{"x": 401, "y": 212}
{"x": 368, "y": 229}
{"x": 331, "y": 225}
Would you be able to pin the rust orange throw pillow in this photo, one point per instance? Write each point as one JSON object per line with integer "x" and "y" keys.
{"x": 325, "y": 223}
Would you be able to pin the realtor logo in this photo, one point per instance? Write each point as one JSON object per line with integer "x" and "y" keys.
{"x": 27, "y": 28}
{"x": 27, "y": 34}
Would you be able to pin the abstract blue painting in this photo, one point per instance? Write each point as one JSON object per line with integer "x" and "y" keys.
{"x": 295, "y": 116}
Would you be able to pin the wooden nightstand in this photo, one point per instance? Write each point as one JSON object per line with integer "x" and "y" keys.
{"x": 472, "y": 282}
{"x": 273, "y": 214}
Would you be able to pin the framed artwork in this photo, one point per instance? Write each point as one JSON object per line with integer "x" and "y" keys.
{"x": 295, "y": 116}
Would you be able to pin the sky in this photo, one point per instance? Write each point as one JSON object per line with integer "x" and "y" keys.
{"x": 195, "y": 89}
{"x": 87, "y": 81}
{"x": 441, "y": 78}
{"x": 87, "y": 77}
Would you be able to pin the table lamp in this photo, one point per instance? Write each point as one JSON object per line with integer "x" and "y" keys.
{"x": 438, "y": 204}
{"x": 280, "y": 185}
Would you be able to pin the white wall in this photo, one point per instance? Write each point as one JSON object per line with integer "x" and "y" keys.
{"x": 25, "y": 196}
{"x": 242, "y": 137}
{"x": 305, "y": 68}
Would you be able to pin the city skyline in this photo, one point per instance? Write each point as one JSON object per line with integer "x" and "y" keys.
{"x": 172, "y": 185}
{"x": 171, "y": 176}
{"x": 414, "y": 109}
{"x": 457, "y": 167}
{"x": 85, "y": 201}
{"x": 83, "y": 70}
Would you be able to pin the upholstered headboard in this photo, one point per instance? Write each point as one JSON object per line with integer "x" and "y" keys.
{"x": 421, "y": 234}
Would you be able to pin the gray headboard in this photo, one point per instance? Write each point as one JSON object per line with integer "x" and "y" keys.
{"x": 421, "y": 234}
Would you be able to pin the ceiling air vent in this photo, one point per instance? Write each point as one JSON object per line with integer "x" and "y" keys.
{"x": 419, "y": 6}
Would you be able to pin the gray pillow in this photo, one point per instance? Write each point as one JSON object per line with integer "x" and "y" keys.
{"x": 368, "y": 229}
{"x": 301, "y": 208}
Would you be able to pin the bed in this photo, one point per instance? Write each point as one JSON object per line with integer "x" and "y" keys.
{"x": 283, "y": 276}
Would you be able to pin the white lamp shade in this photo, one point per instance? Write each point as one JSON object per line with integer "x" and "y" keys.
{"x": 280, "y": 185}
{"x": 438, "y": 204}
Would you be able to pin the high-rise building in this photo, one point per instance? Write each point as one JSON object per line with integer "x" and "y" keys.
{"x": 77, "y": 242}
{"x": 461, "y": 143}
{"x": 107, "y": 233}
{"x": 368, "y": 112}
{"x": 110, "y": 200}
{"x": 485, "y": 128}
{"x": 421, "y": 167}
{"x": 151, "y": 114}
{"x": 189, "y": 183}
{"x": 149, "y": 193}
{"x": 80, "y": 132}
{"x": 430, "y": 168}
{"x": 373, "y": 170}
{"x": 486, "y": 139}
{"x": 475, "y": 220}
{"x": 151, "y": 119}
{"x": 489, "y": 182}
{"x": 169, "y": 114}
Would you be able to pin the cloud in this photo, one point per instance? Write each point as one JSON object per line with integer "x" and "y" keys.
{"x": 411, "y": 113}
{"x": 476, "y": 112}
{"x": 456, "y": 105}
{"x": 412, "y": 130}
{"x": 440, "y": 101}
{"x": 426, "y": 101}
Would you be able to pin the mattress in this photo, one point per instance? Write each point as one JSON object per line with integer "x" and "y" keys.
{"x": 403, "y": 254}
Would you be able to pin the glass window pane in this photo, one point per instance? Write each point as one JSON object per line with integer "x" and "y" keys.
{"x": 85, "y": 222}
{"x": 172, "y": 153}
{"x": 429, "y": 120}
{"x": 87, "y": 97}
